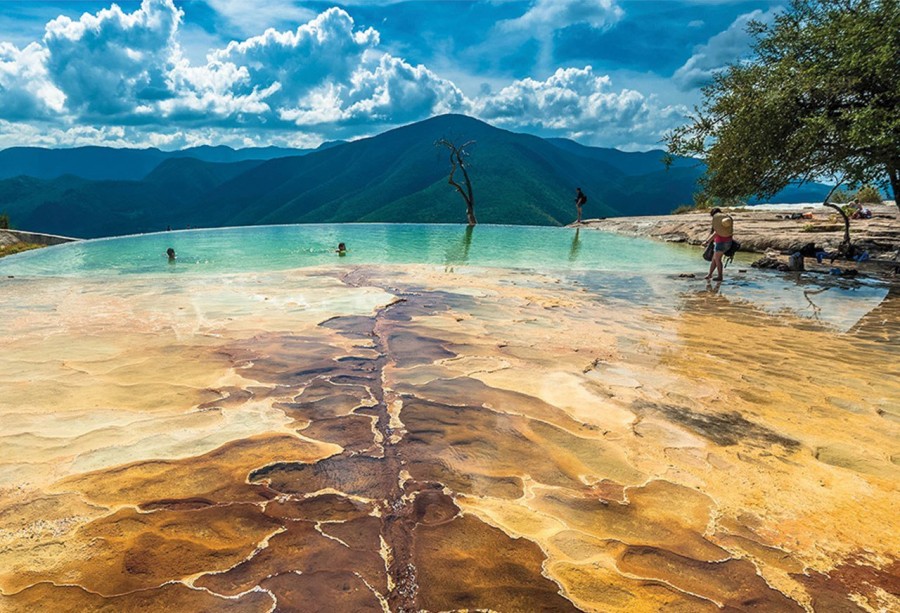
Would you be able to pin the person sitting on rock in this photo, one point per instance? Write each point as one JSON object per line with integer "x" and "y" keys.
{"x": 862, "y": 213}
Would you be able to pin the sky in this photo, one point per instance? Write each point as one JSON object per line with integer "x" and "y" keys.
{"x": 245, "y": 73}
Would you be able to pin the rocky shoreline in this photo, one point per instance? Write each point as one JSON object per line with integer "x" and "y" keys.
{"x": 771, "y": 230}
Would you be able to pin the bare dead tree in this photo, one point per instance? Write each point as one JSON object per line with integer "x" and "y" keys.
{"x": 458, "y": 157}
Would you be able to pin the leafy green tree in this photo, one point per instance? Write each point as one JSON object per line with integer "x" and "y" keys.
{"x": 841, "y": 196}
{"x": 869, "y": 194}
{"x": 818, "y": 97}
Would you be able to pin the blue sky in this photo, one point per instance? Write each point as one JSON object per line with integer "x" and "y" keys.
{"x": 170, "y": 73}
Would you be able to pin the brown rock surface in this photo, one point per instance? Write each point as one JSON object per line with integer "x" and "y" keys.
{"x": 466, "y": 564}
{"x": 761, "y": 230}
{"x": 172, "y": 597}
{"x": 488, "y": 440}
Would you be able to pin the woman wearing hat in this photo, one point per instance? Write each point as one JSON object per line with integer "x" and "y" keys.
{"x": 721, "y": 233}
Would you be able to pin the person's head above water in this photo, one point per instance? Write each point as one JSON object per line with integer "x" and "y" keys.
{"x": 171, "y": 253}
{"x": 341, "y": 247}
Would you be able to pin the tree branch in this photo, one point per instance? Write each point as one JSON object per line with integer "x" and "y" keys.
{"x": 457, "y": 161}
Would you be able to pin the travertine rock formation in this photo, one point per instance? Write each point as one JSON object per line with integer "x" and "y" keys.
{"x": 415, "y": 439}
{"x": 761, "y": 230}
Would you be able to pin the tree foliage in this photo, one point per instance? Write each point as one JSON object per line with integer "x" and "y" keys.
{"x": 819, "y": 97}
{"x": 869, "y": 194}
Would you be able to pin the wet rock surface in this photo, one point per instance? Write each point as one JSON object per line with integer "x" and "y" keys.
{"x": 453, "y": 442}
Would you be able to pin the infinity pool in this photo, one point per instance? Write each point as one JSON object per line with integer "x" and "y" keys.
{"x": 286, "y": 247}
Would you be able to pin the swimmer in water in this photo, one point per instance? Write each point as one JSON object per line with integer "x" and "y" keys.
{"x": 171, "y": 253}
{"x": 342, "y": 249}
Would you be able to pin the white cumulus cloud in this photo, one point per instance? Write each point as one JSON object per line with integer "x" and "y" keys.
{"x": 113, "y": 63}
{"x": 124, "y": 74}
{"x": 328, "y": 48}
{"x": 388, "y": 91}
{"x": 577, "y": 103}
{"x": 25, "y": 89}
{"x": 395, "y": 89}
{"x": 118, "y": 68}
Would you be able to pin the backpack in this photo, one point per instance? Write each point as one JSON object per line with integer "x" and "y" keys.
{"x": 729, "y": 255}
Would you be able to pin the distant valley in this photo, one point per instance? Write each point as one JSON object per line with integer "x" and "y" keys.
{"x": 397, "y": 176}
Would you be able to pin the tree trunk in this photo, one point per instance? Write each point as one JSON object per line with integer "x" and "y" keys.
{"x": 894, "y": 174}
{"x": 457, "y": 161}
{"x": 845, "y": 245}
{"x": 846, "y": 240}
{"x": 469, "y": 197}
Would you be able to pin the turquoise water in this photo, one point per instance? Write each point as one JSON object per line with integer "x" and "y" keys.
{"x": 260, "y": 248}
{"x": 637, "y": 271}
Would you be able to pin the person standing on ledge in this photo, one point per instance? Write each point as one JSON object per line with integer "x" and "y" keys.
{"x": 580, "y": 200}
{"x": 721, "y": 233}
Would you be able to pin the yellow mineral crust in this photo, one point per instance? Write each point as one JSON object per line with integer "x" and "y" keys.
{"x": 422, "y": 439}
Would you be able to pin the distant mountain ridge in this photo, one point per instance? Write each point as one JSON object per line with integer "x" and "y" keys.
{"x": 629, "y": 163}
{"x": 396, "y": 176}
{"x": 120, "y": 164}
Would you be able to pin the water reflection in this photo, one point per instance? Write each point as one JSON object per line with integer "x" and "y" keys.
{"x": 576, "y": 246}
{"x": 839, "y": 304}
{"x": 458, "y": 252}
{"x": 809, "y": 294}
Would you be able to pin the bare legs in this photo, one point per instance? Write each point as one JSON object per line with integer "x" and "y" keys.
{"x": 716, "y": 265}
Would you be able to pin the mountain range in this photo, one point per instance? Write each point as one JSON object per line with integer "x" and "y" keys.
{"x": 111, "y": 164}
{"x": 396, "y": 176}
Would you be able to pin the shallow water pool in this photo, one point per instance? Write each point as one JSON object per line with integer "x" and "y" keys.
{"x": 285, "y": 247}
